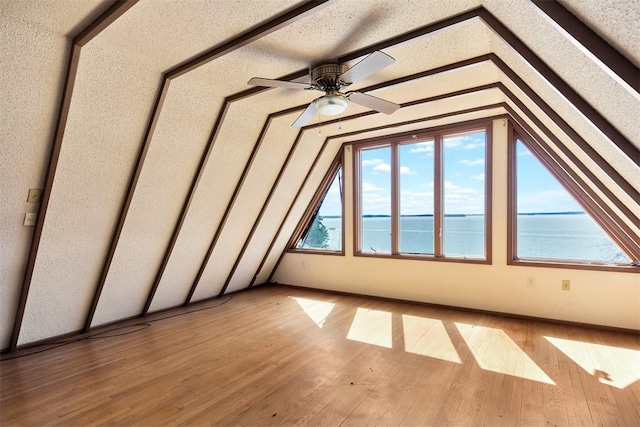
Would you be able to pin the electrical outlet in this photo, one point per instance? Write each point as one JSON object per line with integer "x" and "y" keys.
{"x": 34, "y": 195}
{"x": 566, "y": 285}
{"x": 531, "y": 282}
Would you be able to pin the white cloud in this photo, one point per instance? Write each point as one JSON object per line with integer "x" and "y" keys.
{"x": 404, "y": 170}
{"x": 335, "y": 187}
{"x": 473, "y": 145}
{"x": 382, "y": 167}
{"x": 453, "y": 141}
{"x": 417, "y": 194}
{"x": 370, "y": 199}
{"x": 479, "y": 177}
{"x": 416, "y": 202}
{"x": 462, "y": 200}
{"x": 377, "y": 165}
{"x": 376, "y": 204}
{"x": 386, "y": 168}
{"x": 464, "y": 203}
{"x": 459, "y": 193}
{"x": 459, "y": 199}
{"x": 524, "y": 152}
{"x": 468, "y": 141}
{"x": 372, "y": 162}
{"x": 476, "y": 162}
{"x": 370, "y": 188}
{"x": 423, "y": 147}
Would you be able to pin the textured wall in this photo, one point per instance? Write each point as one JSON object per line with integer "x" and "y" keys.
{"x": 35, "y": 45}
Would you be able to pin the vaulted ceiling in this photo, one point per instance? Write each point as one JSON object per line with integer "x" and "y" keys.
{"x": 167, "y": 179}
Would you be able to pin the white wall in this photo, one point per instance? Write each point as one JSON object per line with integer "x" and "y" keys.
{"x": 596, "y": 297}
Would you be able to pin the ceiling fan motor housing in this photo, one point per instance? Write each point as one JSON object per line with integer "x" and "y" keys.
{"x": 327, "y": 76}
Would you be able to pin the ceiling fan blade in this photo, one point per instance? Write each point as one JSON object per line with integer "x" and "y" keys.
{"x": 378, "y": 104}
{"x": 369, "y": 65}
{"x": 306, "y": 116}
{"x": 258, "y": 81}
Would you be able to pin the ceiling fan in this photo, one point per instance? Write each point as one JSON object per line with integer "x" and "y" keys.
{"x": 331, "y": 78}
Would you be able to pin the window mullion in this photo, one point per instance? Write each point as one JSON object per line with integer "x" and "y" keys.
{"x": 512, "y": 197}
{"x": 394, "y": 198}
{"x": 488, "y": 193}
{"x": 357, "y": 201}
{"x": 438, "y": 209}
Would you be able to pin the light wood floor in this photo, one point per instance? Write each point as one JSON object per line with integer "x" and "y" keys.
{"x": 279, "y": 355}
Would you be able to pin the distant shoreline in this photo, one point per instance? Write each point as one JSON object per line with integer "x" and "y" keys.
{"x": 460, "y": 215}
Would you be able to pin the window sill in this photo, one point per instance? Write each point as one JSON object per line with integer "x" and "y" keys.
{"x": 576, "y": 265}
{"x": 316, "y": 251}
{"x": 425, "y": 257}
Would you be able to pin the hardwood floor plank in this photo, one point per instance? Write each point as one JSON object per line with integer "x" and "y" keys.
{"x": 396, "y": 385}
{"x": 278, "y": 355}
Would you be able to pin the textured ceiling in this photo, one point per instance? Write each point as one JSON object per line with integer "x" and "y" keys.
{"x": 615, "y": 21}
{"x": 172, "y": 186}
{"x": 61, "y": 17}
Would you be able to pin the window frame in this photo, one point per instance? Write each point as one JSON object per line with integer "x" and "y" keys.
{"x": 437, "y": 134}
{"x": 314, "y": 205}
{"x": 576, "y": 188}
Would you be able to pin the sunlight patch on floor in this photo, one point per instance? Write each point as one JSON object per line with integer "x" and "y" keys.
{"x": 371, "y": 327}
{"x": 318, "y": 311}
{"x": 496, "y": 352}
{"x": 428, "y": 337}
{"x": 614, "y": 366}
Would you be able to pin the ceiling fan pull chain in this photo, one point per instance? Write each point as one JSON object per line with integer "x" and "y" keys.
{"x": 319, "y": 124}
{"x": 340, "y": 122}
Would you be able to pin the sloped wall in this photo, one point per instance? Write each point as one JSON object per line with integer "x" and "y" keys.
{"x": 35, "y": 43}
{"x": 179, "y": 186}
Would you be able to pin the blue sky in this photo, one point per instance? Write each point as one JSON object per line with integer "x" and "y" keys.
{"x": 538, "y": 190}
{"x": 464, "y": 175}
{"x": 332, "y": 204}
{"x": 463, "y": 180}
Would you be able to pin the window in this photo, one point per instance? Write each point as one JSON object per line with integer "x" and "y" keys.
{"x": 376, "y": 203}
{"x": 464, "y": 195}
{"x": 551, "y": 225}
{"x": 416, "y": 197}
{"x": 323, "y": 228}
{"x": 425, "y": 195}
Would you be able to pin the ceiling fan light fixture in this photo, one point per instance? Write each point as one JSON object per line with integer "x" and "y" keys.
{"x": 331, "y": 105}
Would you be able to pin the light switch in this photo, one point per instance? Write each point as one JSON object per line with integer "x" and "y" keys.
{"x": 30, "y": 219}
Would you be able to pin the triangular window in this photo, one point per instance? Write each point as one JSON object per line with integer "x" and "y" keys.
{"x": 550, "y": 224}
{"x": 322, "y": 229}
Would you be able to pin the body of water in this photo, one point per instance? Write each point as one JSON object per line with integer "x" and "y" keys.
{"x": 555, "y": 236}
